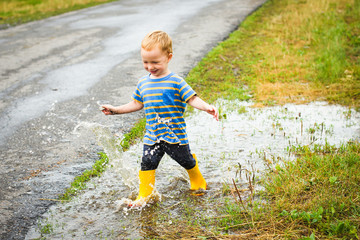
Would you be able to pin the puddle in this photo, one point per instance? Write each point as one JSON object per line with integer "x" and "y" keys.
{"x": 245, "y": 136}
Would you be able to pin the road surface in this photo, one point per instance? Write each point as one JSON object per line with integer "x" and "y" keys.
{"x": 56, "y": 72}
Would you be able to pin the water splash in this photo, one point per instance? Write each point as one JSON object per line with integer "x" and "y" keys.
{"x": 111, "y": 146}
{"x": 126, "y": 204}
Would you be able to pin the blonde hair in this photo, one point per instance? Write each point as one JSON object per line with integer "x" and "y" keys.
{"x": 157, "y": 38}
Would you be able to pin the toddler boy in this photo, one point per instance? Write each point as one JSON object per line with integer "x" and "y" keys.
{"x": 163, "y": 95}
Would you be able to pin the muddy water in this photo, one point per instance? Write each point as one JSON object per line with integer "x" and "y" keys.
{"x": 244, "y": 137}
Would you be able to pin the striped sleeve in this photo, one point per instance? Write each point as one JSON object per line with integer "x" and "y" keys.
{"x": 136, "y": 94}
{"x": 186, "y": 92}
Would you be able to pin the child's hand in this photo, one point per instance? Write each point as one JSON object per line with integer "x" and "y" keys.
{"x": 107, "y": 109}
{"x": 213, "y": 111}
{"x": 198, "y": 103}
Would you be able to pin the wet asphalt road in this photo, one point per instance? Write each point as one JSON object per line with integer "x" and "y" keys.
{"x": 56, "y": 72}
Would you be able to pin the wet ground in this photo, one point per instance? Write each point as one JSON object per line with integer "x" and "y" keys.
{"x": 55, "y": 72}
{"x": 255, "y": 139}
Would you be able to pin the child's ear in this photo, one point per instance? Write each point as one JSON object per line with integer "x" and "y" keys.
{"x": 170, "y": 57}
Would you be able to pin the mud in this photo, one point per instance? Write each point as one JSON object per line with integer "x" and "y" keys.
{"x": 55, "y": 72}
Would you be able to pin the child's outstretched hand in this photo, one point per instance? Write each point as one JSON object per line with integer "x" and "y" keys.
{"x": 213, "y": 111}
{"x": 107, "y": 109}
{"x": 198, "y": 103}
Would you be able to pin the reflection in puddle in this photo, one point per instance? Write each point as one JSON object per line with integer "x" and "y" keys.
{"x": 244, "y": 137}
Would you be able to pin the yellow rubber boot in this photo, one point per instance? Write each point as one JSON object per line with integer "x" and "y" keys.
{"x": 197, "y": 181}
{"x": 146, "y": 187}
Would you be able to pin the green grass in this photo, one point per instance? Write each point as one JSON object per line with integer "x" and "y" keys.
{"x": 318, "y": 192}
{"x": 314, "y": 197}
{"x": 287, "y": 51}
{"x": 79, "y": 182}
{"x": 136, "y": 133}
{"x": 14, "y": 12}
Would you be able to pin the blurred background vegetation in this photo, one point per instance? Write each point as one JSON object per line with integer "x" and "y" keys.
{"x": 14, "y": 12}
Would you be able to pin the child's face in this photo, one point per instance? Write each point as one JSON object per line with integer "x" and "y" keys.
{"x": 156, "y": 62}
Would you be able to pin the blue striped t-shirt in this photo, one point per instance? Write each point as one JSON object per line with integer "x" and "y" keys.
{"x": 164, "y": 101}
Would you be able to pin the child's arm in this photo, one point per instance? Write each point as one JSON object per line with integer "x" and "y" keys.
{"x": 132, "y": 106}
{"x": 198, "y": 103}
